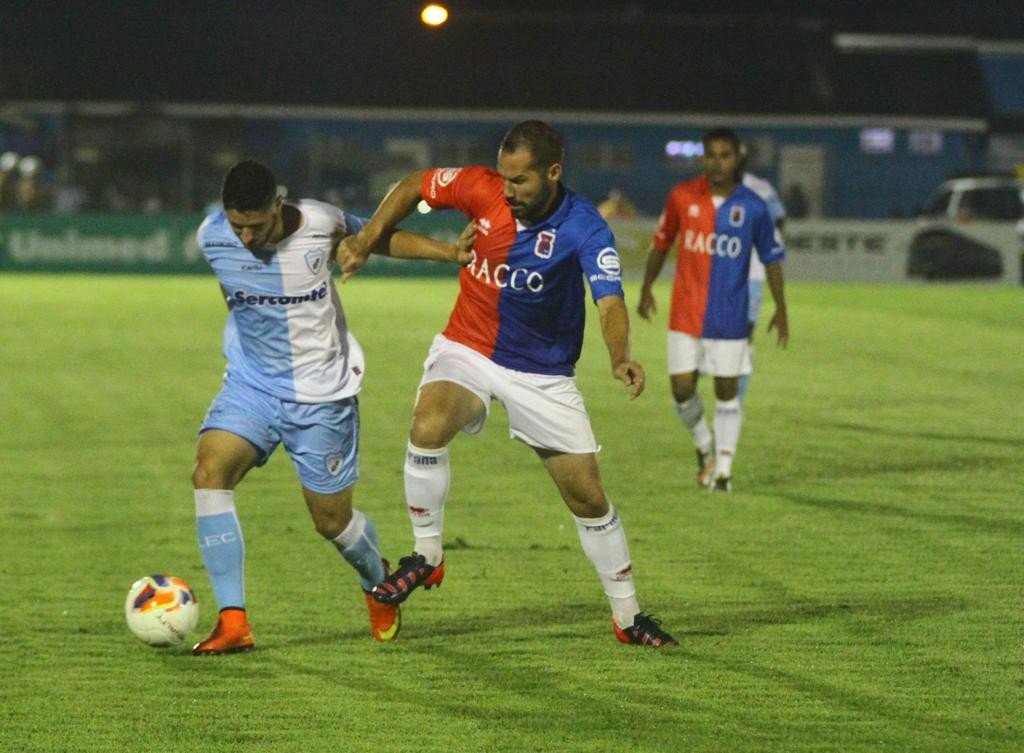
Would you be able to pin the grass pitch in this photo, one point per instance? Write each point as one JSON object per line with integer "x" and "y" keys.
{"x": 859, "y": 591}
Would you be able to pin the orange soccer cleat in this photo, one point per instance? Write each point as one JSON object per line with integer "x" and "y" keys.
{"x": 231, "y": 635}
{"x": 385, "y": 619}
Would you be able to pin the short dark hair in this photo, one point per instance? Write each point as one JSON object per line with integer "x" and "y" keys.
{"x": 543, "y": 141}
{"x": 721, "y": 134}
{"x": 249, "y": 186}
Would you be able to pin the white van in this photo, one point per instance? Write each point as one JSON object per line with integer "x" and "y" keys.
{"x": 944, "y": 248}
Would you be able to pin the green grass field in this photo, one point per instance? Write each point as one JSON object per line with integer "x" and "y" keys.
{"x": 859, "y": 591}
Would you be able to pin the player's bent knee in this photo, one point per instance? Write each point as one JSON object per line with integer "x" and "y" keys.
{"x": 331, "y": 513}
{"x": 210, "y": 474}
{"x": 681, "y": 396}
{"x": 683, "y": 387}
{"x": 431, "y": 431}
{"x": 330, "y": 520}
{"x": 727, "y": 388}
{"x": 329, "y": 529}
{"x": 593, "y": 507}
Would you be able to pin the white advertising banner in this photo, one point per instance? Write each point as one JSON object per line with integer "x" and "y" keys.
{"x": 873, "y": 250}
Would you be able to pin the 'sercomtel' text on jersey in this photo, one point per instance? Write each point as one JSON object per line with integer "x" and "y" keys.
{"x": 710, "y": 295}
{"x": 521, "y": 298}
{"x": 286, "y": 333}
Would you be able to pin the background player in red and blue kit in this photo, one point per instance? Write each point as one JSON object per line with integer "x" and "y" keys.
{"x": 719, "y": 222}
{"x": 514, "y": 336}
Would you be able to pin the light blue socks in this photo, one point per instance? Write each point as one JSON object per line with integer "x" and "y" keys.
{"x": 221, "y": 544}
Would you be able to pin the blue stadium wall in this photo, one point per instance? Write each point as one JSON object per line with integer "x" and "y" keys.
{"x": 858, "y": 185}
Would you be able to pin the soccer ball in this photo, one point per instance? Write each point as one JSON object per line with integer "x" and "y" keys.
{"x": 161, "y": 610}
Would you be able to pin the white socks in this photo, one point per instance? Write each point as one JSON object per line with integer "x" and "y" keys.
{"x": 427, "y": 478}
{"x": 604, "y": 542}
{"x": 691, "y": 413}
{"x": 727, "y": 422}
{"x": 728, "y": 419}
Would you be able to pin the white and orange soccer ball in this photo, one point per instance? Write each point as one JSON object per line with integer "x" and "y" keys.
{"x": 161, "y": 610}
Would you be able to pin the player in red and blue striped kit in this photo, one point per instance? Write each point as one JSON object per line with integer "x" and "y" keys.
{"x": 514, "y": 336}
{"x": 719, "y": 223}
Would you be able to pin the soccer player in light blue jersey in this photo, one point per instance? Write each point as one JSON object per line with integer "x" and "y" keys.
{"x": 293, "y": 374}
{"x": 755, "y": 284}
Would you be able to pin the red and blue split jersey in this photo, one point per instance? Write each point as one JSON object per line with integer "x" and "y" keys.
{"x": 521, "y": 298}
{"x": 710, "y": 294}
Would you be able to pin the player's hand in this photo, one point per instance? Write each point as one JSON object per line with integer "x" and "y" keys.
{"x": 464, "y": 245}
{"x": 780, "y": 323}
{"x": 352, "y": 252}
{"x": 632, "y": 375}
{"x": 647, "y": 305}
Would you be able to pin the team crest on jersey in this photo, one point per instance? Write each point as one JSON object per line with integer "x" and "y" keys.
{"x": 315, "y": 260}
{"x": 447, "y": 175}
{"x": 333, "y": 463}
{"x": 694, "y": 210}
{"x": 545, "y": 244}
{"x": 441, "y": 178}
{"x": 736, "y": 216}
{"x": 608, "y": 261}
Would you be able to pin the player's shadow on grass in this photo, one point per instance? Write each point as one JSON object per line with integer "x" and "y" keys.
{"x": 558, "y": 622}
{"x": 958, "y": 438}
{"x": 574, "y": 622}
{"x": 1005, "y": 526}
{"x": 795, "y": 612}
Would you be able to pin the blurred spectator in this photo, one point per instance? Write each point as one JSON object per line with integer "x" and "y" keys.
{"x": 617, "y": 205}
{"x": 68, "y": 196}
{"x": 29, "y": 194}
{"x": 113, "y": 199}
{"x": 8, "y": 179}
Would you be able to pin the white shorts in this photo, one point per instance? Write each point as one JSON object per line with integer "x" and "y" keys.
{"x": 544, "y": 411}
{"x": 721, "y": 358}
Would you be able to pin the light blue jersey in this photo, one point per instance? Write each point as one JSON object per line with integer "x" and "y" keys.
{"x": 769, "y": 196}
{"x": 286, "y": 333}
{"x": 755, "y": 282}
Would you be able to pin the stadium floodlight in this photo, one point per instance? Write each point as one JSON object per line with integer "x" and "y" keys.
{"x": 434, "y": 14}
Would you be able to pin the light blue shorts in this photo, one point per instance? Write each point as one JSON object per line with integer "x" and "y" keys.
{"x": 322, "y": 439}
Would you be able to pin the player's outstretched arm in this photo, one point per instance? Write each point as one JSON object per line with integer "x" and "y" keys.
{"x": 615, "y": 329}
{"x": 354, "y": 250}
{"x": 780, "y": 319}
{"x": 647, "y": 305}
{"x": 402, "y": 244}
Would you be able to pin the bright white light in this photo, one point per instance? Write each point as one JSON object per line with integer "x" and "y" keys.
{"x": 423, "y": 207}
{"x": 877, "y": 140}
{"x": 434, "y": 14}
{"x": 687, "y": 149}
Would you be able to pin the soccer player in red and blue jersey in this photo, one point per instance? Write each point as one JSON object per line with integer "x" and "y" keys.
{"x": 514, "y": 336}
{"x": 719, "y": 223}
